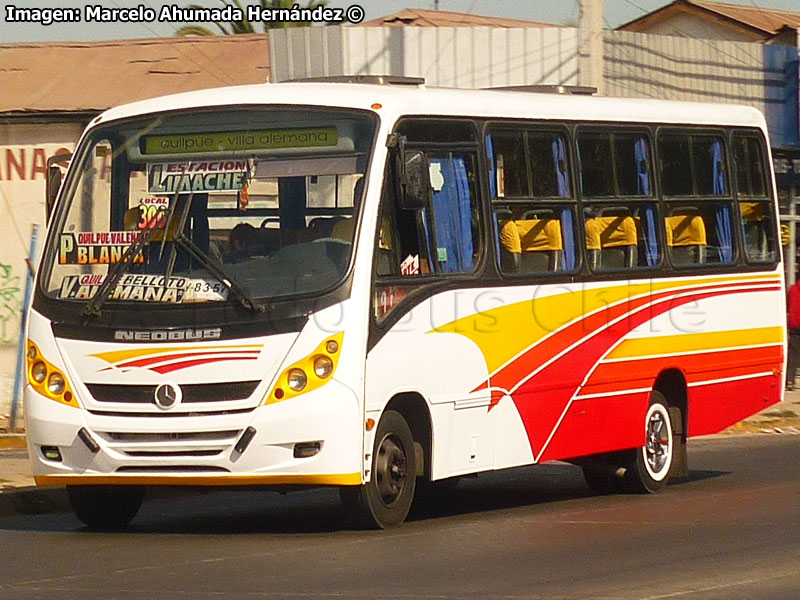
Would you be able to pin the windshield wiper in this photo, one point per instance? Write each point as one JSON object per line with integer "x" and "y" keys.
{"x": 195, "y": 253}
{"x": 92, "y": 309}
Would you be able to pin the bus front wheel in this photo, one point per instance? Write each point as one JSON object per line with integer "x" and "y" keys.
{"x": 385, "y": 500}
{"x": 105, "y": 507}
{"x": 648, "y": 467}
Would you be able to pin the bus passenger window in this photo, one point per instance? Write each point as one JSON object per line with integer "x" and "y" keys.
{"x": 621, "y": 236}
{"x": 692, "y": 165}
{"x": 614, "y": 164}
{"x": 755, "y": 207}
{"x": 441, "y": 238}
{"x": 700, "y": 233}
{"x": 535, "y": 239}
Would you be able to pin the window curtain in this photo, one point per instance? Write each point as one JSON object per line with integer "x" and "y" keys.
{"x": 493, "y": 190}
{"x": 718, "y": 169}
{"x": 562, "y": 173}
{"x": 722, "y": 224}
{"x": 650, "y": 239}
{"x": 568, "y": 233}
{"x": 562, "y": 187}
{"x": 451, "y": 211}
{"x": 492, "y": 177}
{"x": 642, "y": 167}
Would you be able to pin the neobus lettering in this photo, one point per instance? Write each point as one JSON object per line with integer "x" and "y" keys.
{"x": 162, "y": 336}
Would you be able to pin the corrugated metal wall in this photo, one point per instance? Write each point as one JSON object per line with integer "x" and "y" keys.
{"x": 472, "y": 57}
{"x": 678, "y": 68}
{"x": 636, "y": 64}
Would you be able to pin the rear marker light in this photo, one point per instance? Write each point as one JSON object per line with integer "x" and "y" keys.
{"x": 88, "y": 440}
{"x": 306, "y": 449}
{"x": 244, "y": 440}
{"x": 51, "y": 453}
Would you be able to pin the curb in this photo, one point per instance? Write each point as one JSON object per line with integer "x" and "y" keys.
{"x": 12, "y": 440}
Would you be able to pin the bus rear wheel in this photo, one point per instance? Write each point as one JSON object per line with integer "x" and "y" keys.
{"x": 105, "y": 507}
{"x": 385, "y": 500}
{"x": 648, "y": 467}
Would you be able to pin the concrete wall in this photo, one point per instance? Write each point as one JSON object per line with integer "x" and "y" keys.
{"x": 24, "y": 150}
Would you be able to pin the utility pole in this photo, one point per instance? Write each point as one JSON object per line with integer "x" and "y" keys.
{"x": 590, "y": 44}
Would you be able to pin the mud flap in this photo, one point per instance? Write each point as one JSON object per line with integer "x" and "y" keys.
{"x": 680, "y": 461}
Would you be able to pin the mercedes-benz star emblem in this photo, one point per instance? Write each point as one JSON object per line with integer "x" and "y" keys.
{"x": 167, "y": 395}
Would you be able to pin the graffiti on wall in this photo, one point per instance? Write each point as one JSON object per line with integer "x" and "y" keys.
{"x": 10, "y": 304}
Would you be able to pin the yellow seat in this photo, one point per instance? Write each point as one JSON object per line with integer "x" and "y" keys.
{"x": 686, "y": 238}
{"x": 612, "y": 242}
{"x": 534, "y": 244}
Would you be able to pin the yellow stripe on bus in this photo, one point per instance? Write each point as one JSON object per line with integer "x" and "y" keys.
{"x": 695, "y": 342}
{"x": 200, "y": 480}
{"x": 505, "y": 331}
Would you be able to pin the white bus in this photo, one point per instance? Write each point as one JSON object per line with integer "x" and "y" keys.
{"x": 383, "y": 287}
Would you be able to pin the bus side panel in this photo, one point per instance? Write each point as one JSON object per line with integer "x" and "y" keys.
{"x": 602, "y": 424}
{"x": 569, "y": 369}
{"x": 711, "y": 407}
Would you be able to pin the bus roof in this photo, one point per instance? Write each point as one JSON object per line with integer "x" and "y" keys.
{"x": 398, "y": 100}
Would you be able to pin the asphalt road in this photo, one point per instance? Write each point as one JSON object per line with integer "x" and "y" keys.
{"x": 731, "y": 531}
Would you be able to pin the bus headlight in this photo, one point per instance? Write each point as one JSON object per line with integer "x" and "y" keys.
{"x": 56, "y": 384}
{"x": 309, "y": 373}
{"x": 297, "y": 379}
{"x": 47, "y": 379}
{"x": 39, "y": 371}
{"x": 323, "y": 367}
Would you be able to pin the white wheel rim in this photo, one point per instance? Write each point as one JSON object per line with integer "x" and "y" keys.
{"x": 657, "y": 449}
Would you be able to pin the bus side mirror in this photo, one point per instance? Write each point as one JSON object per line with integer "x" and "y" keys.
{"x": 53, "y": 182}
{"x": 415, "y": 181}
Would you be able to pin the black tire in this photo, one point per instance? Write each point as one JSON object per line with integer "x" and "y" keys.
{"x": 384, "y": 502}
{"x": 648, "y": 467}
{"x": 105, "y": 507}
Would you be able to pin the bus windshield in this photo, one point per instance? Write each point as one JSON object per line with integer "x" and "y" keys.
{"x": 189, "y": 207}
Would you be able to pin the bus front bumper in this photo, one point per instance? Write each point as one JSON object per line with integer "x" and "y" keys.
{"x": 313, "y": 439}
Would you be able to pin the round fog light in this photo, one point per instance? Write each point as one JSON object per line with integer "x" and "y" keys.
{"x": 332, "y": 346}
{"x": 39, "y": 371}
{"x": 56, "y": 384}
{"x": 297, "y": 379}
{"x": 323, "y": 367}
{"x": 32, "y": 352}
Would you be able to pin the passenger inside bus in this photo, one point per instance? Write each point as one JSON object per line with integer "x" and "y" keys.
{"x": 244, "y": 243}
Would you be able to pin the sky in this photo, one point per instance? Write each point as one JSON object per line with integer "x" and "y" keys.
{"x": 562, "y": 12}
